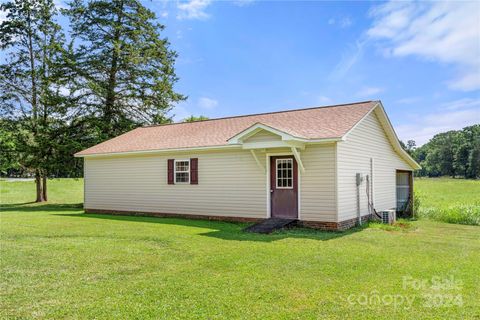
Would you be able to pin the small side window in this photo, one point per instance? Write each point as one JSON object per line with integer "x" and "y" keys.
{"x": 182, "y": 171}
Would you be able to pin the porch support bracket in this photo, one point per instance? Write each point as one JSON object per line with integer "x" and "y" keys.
{"x": 296, "y": 154}
{"x": 259, "y": 164}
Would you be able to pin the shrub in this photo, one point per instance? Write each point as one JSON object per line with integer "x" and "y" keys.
{"x": 461, "y": 214}
{"x": 417, "y": 201}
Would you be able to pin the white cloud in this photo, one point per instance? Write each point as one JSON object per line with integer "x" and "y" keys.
{"x": 243, "y": 3}
{"x": 462, "y": 104}
{"x": 207, "y": 103}
{"x": 369, "y": 91}
{"x": 164, "y": 14}
{"x": 186, "y": 109}
{"x": 445, "y": 32}
{"x": 452, "y": 115}
{"x": 348, "y": 60}
{"x": 193, "y": 9}
{"x": 408, "y": 100}
{"x": 324, "y": 100}
{"x": 179, "y": 112}
{"x": 345, "y": 22}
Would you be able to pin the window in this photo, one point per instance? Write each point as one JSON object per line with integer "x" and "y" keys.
{"x": 182, "y": 171}
{"x": 285, "y": 173}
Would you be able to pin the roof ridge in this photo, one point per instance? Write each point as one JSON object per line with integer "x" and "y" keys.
{"x": 259, "y": 114}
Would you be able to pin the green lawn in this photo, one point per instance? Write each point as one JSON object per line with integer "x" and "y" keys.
{"x": 57, "y": 262}
{"x": 449, "y": 200}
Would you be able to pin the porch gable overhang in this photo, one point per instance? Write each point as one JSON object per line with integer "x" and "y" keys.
{"x": 286, "y": 140}
{"x": 282, "y": 140}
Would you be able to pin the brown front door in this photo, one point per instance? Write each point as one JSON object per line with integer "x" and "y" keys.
{"x": 284, "y": 187}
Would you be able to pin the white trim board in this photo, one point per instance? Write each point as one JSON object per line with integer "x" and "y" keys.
{"x": 190, "y": 149}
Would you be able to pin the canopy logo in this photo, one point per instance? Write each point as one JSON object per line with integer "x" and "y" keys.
{"x": 436, "y": 292}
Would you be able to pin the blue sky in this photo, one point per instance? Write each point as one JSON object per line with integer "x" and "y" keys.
{"x": 238, "y": 57}
{"x": 422, "y": 59}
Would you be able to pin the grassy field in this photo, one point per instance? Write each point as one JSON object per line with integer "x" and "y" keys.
{"x": 449, "y": 200}
{"x": 57, "y": 262}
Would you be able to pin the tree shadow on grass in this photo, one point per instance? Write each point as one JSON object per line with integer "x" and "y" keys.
{"x": 224, "y": 230}
{"x": 43, "y": 207}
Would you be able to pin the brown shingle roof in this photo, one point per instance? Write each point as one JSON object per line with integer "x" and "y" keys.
{"x": 312, "y": 123}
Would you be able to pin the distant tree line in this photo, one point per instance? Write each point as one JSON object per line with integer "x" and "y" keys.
{"x": 453, "y": 153}
{"x": 65, "y": 89}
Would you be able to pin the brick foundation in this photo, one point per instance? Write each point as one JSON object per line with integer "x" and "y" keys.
{"x": 320, "y": 225}
{"x": 172, "y": 215}
{"x": 333, "y": 226}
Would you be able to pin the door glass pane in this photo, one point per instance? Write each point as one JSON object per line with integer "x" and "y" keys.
{"x": 284, "y": 173}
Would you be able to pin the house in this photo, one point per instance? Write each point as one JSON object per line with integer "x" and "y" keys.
{"x": 322, "y": 166}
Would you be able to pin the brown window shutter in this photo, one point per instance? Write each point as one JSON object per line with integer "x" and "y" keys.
{"x": 194, "y": 171}
{"x": 170, "y": 171}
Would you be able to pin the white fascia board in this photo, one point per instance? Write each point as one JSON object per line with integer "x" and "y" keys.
{"x": 141, "y": 152}
{"x": 299, "y": 143}
{"x": 320, "y": 141}
{"x": 392, "y": 135}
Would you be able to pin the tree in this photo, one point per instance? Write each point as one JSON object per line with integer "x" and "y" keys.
{"x": 461, "y": 155}
{"x": 125, "y": 69}
{"x": 454, "y": 153}
{"x": 442, "y": 157}
{"x": 409, "y": 147}
{"x": 8, "y": 146}
{"x": 194, "y": 118}
{"x": 30, "y": 83}
{"x": 474, "y": 162}
{"x": 472, "y": 137}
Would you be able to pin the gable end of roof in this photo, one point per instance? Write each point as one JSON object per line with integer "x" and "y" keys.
{"x": 389, "y": 132}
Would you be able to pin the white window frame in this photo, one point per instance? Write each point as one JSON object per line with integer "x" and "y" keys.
{"x": 175, "y": 171}
{"x": 276, "y": 173}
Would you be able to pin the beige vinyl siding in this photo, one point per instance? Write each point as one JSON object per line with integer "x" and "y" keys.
{"x": 317, "y": 183}
{"x": 367, "y": 140}
{"x": 263, "y": 136}
{"x": 230, "y": 184}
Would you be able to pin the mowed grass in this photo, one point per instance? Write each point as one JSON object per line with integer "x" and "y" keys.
{"x": 66, "y": 192}
{"x": 449, "y": 200}
{"x": 57, "y": 262}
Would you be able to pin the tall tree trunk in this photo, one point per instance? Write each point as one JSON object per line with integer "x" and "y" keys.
{"x": 33, "y": 79}
{"x": 33, "y": 76}
{"x": 44, "y": 178}
{"x": 40, "y": 189}
{"x": 109, "y": 111}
